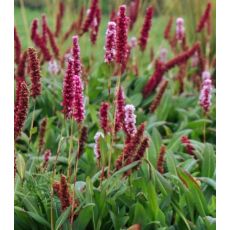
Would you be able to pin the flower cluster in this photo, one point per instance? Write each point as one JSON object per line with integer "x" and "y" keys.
{"x": 110, "y": 44}
{"x": 34, "y": 73}
{"x": 146, "y": 28}
{"x": 103, "y": 114}
{"x": 206, "y": 93}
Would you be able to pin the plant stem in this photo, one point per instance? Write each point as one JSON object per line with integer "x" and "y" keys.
{"x": 70, "y": 149}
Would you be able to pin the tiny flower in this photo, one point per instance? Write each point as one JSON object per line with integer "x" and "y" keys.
{"x": 163, "y": 55}
{"x": 180, "y": 29}
{"x": 53, "y": 67}
{"x": 97, "y": 148}
{"x": 146, "y": 28}
{"x": 206, "y": 75}
{"x": 46, "y": 158}
{"x": 130, "y": 120}
{"x": 133, "y": 42}
{"x": 110, "y": 44}
{"x": 206, "y": 94}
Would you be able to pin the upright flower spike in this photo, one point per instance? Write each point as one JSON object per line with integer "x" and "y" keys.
{"x": 22, "y": 66}
{"x": 82, "y": 141}
{"x": 21, "y": 107}
{"x": 34, "y": 73}
{"x": 17, "y": 47}
{"x": 97, "y": 148}
{"x": 160, "y": 161}
{"x": 44, "y": 28}
{"x": 168, "y": 29}
{"x": 120, "y": 109}
{"x": 110, "y": 43}
{"x": 133, "y": 12}
{"x": 122, "y": 36}
{"x": 130, "y": 120}
{"x": 68, "y": 91}
{"x": 104, "y": 114}
{"x": 95, "y": 26}
{"x": 65, "y": 197}
{"x": 146, "y": 28}
{"x": 90, "y": 17}
{"x": 78, "y": 105}
{"x": 180, "y": 29}
{"x": 59, "y": 18}
{"x": 77, "y": 67}
{"x": 206, "y": 94}
{"x": 204, "y": 18}
{"x": 42, "y": 132}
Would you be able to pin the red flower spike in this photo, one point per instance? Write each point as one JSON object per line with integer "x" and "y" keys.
{"x": 103, "y": 114}
{"x": 122, "y": 36}
{"x": 95, "y": 26}
{"x": 168, "y": 29}
{"x": 204, "y": 18}
{"x": 20, "y": 107}
{"x": 120, "y": 109}
{"x": 188, "y": 146}
{"x": 17, "y": 47}
{"x": 22, "y": 66}
{"x": 82, "y": 141}
{"x": 34, "y": 73}
{"x": 42, "y": 132}
{"x": 59, "y": 19}
{"x": 146, "y": 28}
{"x": 160, "y": 161}
{"x": 53, "y": 43}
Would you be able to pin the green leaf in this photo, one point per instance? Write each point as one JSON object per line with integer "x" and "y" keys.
{"x": 39, "y": 219}
{"x": 64, "y": 216}
{"x": 209, "y": 162}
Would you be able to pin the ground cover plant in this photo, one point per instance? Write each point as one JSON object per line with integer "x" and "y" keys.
{"x": 114, "y": 116}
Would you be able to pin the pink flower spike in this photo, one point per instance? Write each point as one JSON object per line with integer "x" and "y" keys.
{"x": 130, "y": 120}
{"x": 77, "y": 67}
{"x": 206, "y": 94}
{"x": 110, "y": 44}
{"x": 78, "y": 106}
{"x": 180, "y": 29}
{"x": 104, "y": 113}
